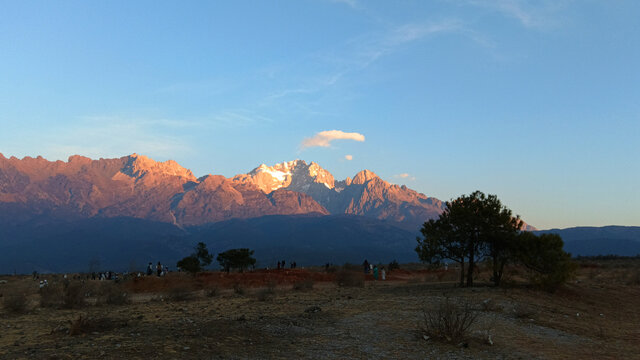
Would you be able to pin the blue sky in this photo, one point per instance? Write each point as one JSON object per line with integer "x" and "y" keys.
{"x": 535, "y": 101}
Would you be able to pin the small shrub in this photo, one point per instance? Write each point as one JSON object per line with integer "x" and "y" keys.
{"x": 450, "y": 321}
{"x": 489, "y": 305}
{"x": 179, "y": 293}
{"x": 15, "y": 303}
{"x": 524, "y": 311}
{"x": 633, "y": 277}
{"x": 264, "y": 294}
{"x": 238, "y": 289}
{"x": 303, "y": 285}
{"x": 86, "y": 325}
{"x": 350, "y": 278}
{"x": 73, "y": 295}
{"x": 51, "y": 296}
{"x": 212, "y": 291}
{"x": 112, "y": 294}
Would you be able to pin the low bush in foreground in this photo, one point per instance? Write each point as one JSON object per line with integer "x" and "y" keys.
{"x": 15, "y": 303}
{"x": 450, "y": 321}
{"x": 112, "y": 294}
{"x": 303, "y": 285}
{"x": 180, "y": 294}
{"x": 350, "y": 278}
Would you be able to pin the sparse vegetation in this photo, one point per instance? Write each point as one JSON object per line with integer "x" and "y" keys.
{"x": 303, "y": 285}
{"x": 350, "y": 278}
{"x": 180, "y": 293}
{"x": 265, "y": 294}
{"x": 15, "y": 303}
{"x": 113, "y": 294}
{"x": 238, "y": 288}
{"x": 384, "y": 315}
{"x": 450, "y": 321}
{"x": 88, "y": 325}
{"x": 212, "y": 291}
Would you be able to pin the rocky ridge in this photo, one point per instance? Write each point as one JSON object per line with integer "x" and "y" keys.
{"x": 139, "y": 187}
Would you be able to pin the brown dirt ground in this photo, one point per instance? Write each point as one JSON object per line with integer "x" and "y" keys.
{"x": 593, "y": 317}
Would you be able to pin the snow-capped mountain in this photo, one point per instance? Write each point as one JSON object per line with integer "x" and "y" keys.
{"x": 367, "y": 194}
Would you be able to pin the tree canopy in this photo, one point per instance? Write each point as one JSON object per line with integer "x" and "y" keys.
{"x": 471, "y": 228}
{"x": 236, "y": 258}
{"x": 197, "y": 261}
{"x": 476, "y": 227}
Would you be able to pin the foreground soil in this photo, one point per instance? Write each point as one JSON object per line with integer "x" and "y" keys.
{"x": 305, "y": 314}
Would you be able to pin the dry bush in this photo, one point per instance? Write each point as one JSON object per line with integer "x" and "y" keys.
{"x": 303, "y": 285}
{"x": 238, "y": 288}
{"x": 87, "y": 325}
{"x": 633, "y": 277}
{"x": 73, "y": 295}
{"x": 350, "y": 278}
{"x": 450, "y": 321}
{"x": 51, "y": 296}
{"x": 524, "y": 311}
{"x": 15, "y": 303}
{"x": 490, "y": 305}
{"x": 265, "y": 294}
{"x": 212, "y": 291}
{"x": 113, "y": 294}
{"x": 179, "y": 293}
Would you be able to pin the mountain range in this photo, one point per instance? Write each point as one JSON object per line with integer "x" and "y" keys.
{"x": 139, "y": 187}
{"x": 59, "y": 216}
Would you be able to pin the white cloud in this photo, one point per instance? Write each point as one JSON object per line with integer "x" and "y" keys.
{"x": 324, "y": 138}
{"x": 405, "y": 176}
{"x": 348, "y": 157}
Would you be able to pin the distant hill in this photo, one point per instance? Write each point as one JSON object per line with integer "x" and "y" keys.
{"x": 606, "y": 240}
{"x": 123, "y": 244}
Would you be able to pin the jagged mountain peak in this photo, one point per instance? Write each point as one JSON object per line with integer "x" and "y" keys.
{"x": 295, "y": 175}
{"x": 140, "y": 165}
{"x": 364, "y": 176}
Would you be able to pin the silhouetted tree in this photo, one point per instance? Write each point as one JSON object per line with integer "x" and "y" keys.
{"x": 544, "y": 256}
{"x": 197, "y": 261}
{"x": 236, "y": 258}
{"x": 470, "y": 228}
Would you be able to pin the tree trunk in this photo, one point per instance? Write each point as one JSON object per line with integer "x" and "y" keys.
{"x": 471, "y": 265}
{"x": 462, "y": 273}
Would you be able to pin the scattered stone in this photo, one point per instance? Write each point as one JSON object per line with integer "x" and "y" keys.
{"x": 313, "y": 309}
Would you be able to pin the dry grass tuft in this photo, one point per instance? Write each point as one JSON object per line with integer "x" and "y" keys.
{"x": 180, "y": 293}
{"x": 450, "y": 321}
{"x": 15, "y": 303}
{"x": 238, "y": 289}
{"x": 212, "y": 291}
{"x": 113, "y": 294}
{"x": 350, "y": 278}
{"x": 87, "y": 325}
{"x": 303, "y": 285}
{"x": 524, "y": 311}
{"x": 265, "y": 294}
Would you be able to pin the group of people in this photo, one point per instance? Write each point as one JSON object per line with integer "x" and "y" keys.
{"x": 105, "y": 275}
{"x": 160, "y": 270}
{"x": 283, "y": 265}
{"x": 374, "y": 269}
